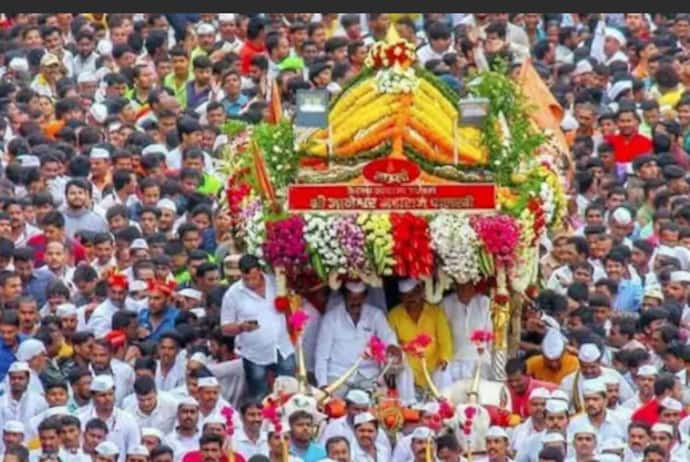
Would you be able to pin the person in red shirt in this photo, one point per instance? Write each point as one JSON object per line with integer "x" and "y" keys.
{"x": 211, "y": 449}
{"x": 255, "y": 44}
{"x": 53, "y": 226}
{"x": 520, "y": 385}
{"x": 628, "y": 144}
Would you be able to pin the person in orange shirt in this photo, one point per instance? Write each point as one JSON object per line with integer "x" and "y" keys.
{"x": 555, "y": 362}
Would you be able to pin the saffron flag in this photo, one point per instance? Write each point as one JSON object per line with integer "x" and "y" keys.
{"x": 547, "y": 113}
{"x": 276, "y": 106}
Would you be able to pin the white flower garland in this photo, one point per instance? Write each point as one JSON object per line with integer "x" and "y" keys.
{"x": 454, "y": 240}
{"x": 396, "y": 80}
{"x": 320, "y": 234}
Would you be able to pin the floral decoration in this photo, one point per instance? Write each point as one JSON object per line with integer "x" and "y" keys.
{"x": 411, "y": 245}
{"x": 455, "y": 242}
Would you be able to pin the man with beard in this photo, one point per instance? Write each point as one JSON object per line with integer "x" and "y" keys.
{"x": 535, "y": 423}
{"x": 210, "y": 401}
{"x": 169, "y": 371}
{"x": 590, "y": 368}
{"x": 556, "y": 422}
{"x": 159, "y": 316}
{"x": 80, "y": 379}
{"x": 185, "y": 437}
{"x": 365, "y": 446}
{"x": 78, "y": 215}
{"x": 607, "y": 425}
{"x": 103, "y": 362}
{"x": 150, "y": 407}
{"x": 644, "y": 380}
{"x": 99, "y": 322}
{"x": 122, "y": 426}
{"x": 85, "y": 59}
{"x": 20, "y": 403}
{"x": 357, "y": 402}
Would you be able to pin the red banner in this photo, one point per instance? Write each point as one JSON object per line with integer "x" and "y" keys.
{"x": 360, "y": 198}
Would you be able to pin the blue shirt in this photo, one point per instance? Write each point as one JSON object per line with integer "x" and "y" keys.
{"x": 314, "y": 452}
{"x": 233, "y": 107}
{"x": 629, "y": 296}
{"x": 37, "y": 286}
{"x": 167, "y": 324}
{"x": 7, "y": 356}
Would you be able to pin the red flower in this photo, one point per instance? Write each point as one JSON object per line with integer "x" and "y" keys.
{"x": 297, "y": 320}
{"x": 532, "y": 291}
{"x": 282, "y": 304}
{"x": 483, "y": 336}
{"x": 165, "y": 288}
{"x": 445, "y": 410}
{"x": 418, "y": 345}
{"x": 501, "y": 299}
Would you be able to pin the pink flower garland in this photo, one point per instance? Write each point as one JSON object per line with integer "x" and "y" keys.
{"x": 285, "y": 245}
{"x": 500, "y": 235}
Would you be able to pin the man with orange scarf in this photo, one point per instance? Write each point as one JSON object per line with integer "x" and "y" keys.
{"x": 160, "y": 315}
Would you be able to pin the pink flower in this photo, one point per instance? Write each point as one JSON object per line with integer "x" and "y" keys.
{"x": 298, "y": 320}
{"x": 376, "y": 350}
{"x": 228, "y": 412}
{"x": 483, "y": 336}
{"x": 500, "y": 235}
{"x": 470, "y": 412}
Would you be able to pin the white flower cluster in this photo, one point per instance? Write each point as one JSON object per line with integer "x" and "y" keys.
{"x": 547, "y": 196}
{"x": 454, "y": 240}
{"x": 321, "y": 235}
{"x": 396, "y": 80}
{"x": 255, "y": 232}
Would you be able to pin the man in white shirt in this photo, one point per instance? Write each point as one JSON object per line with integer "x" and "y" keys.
{"x": 185, "y": 436}
{"x": 152, "y": 408}
{"x": 535, "y": 423}
{"x": 248, "y": 312}
{"x": 606, "y": 424}
{"x": 467, "y": 310}
{"x": 367, "y": 446}
{"x": 249, "y": 439}
{"x": 358, "y": 402}
{"x": 590, "y": 357}
{"x": 344, "y": 333}
{"x": 123, "y": 430}
{"x": 440, "y": 43}
{"x": 100, "y": 321}
{"x": 19, "y": 403}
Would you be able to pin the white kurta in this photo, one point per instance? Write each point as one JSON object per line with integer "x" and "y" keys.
{"x": 463, "y": 319}
{"x": 181, "y": 445}
{"x": 341, "y": 342}
{"x": 162, "y": 417}
{"x": 341, "y": 427}
{"x": 28, "y": 406}
{"x": 246, "y": 447}
{"x": 123, "y": 430}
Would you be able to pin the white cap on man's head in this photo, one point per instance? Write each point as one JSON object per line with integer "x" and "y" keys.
{"x": 589, "y": 353}
{"x": 671, "y": 404}
{"x": 358, "y": 397}
{"x": 593, "y": 386}
{"x": 13, "y": 426}
{"x": 647, "y": 370}
{"x": 19, "y": 366}
{"x": 407, "y": 285}
{"x": 29, "y": 349}
{"x": 422, "y": 433}
{"x": 680, "y": 276}
{"x": 226, "y": 17}
{"x": 99, "y": 153}
{"x": 356, "y": 287}
{"x": 363, "y": 417}
{"x": 191, "y": 293}
{"x": 107, "y": 449}
{"x": 553, "y": 344}
{"x": 102, "y": 383}
{"x": 208, "y": 382}
{"x": 168, "y": 204}
{"x": 65, "y": 310}
{"x": 496, "y": 432}
{"x": 662, "y": 428}
{"x": 150, "y": 431}
{"x": 611, "y": 32}
{"x": 556, "y": 406}
{"x": 539, "y": 393}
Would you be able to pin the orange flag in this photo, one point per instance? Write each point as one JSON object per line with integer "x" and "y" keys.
{"x": 262, "y": 176}
{"x": 547, "y": 113}
{"x": 276, "y": 107}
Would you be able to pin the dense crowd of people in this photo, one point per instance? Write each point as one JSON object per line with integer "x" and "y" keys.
{"x": 130, "y": 321}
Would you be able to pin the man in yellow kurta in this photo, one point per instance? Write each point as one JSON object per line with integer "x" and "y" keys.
{"x": 413, "y": 317}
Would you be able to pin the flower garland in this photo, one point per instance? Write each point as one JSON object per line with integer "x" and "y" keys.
{"x": 351, "y": 239}
{"x": 320, "y": 233}
{"x": 379, "y": 241}
{"x": 277, "y": 144}
{"x": 285, "y": 245}
{"x": 401, "y": 53}
{"x": 396, "y": 80}
{"x": 253, "y": 228}
{"x": 500, "y": 235}
{"x": 412, "y": 246}
{"x": 456, "y": 243}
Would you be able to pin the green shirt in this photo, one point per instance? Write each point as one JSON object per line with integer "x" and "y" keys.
{"x": 210, "y": 184}
{"x": 170, "y": 81}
